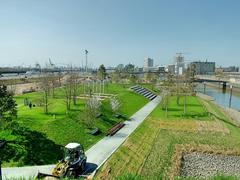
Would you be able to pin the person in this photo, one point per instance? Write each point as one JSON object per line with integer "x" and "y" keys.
{"x": 27, "y": 102}
{"x": 30, "y": 105}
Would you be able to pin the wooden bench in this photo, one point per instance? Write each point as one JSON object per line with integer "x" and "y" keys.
{"x": 115, "y": 129}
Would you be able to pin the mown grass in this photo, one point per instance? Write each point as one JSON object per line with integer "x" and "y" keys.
{"x": 194, "y": 109}
{"x": 41, "y": 136}
{"x": 151, "y": 158}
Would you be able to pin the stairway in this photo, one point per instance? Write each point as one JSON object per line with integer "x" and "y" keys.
{"x": 144, "y": 92}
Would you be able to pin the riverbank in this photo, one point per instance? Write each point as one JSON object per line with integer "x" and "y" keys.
{"x": 155, "y": 149}
{"x": 232, "y": 114}
{"x": 236, "y": 90}
{"x": 205, "y": 97}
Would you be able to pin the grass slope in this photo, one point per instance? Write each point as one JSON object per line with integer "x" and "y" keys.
{"x": 41, "y": 136}
{"x": 148, "y": 152}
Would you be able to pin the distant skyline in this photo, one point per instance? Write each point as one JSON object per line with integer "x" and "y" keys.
{"x": 118, "y": 31}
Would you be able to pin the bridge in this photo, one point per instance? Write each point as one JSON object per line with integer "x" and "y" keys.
{"x": 212, "y": 79}
{"x": 24, "y": 70}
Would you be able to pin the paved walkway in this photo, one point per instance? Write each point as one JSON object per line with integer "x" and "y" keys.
{"x": 99, "y": 152}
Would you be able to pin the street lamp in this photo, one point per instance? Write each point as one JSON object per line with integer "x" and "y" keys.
{"x": 204, "y": 87}
{"x": 230, "y": 98}
{"x": 86, "y": 68}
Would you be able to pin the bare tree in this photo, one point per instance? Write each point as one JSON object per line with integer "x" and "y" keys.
{"x": 45, "y": 81}
{"x": 59, "y": 77}
{"x": 165, "y": 102}
{"x": 12, "y": 86}
{"x": 133, "y": 78}
{"x": 68, "y": 92}
{"x": 75, "y": 87}
{"x": 92, "y": 109}
{"x": 188, "y": 85}
{"x": 116, "y": 76}
{"x": 115, "y": 104}
{"x": 53, "y": 85}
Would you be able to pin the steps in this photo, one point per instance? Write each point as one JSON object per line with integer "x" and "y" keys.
{"x": 144, "y": 92}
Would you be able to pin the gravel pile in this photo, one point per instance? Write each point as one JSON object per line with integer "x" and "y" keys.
{"x": 206, "y": 165}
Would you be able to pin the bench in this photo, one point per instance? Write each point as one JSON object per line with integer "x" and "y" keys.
{"x": 113, "y": 130}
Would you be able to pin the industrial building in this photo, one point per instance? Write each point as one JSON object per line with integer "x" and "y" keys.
{"x": 203, "y": 67}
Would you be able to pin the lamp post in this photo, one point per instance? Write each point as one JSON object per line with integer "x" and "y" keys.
{"x": 230, "y": 98}
{"x": 86, "y": 68}
{"x": 204, "y": 87}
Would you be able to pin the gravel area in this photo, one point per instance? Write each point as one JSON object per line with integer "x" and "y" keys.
{"x": 205, "y": 165}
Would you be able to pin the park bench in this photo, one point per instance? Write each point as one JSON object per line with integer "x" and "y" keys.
{"x": 115, "y": 128}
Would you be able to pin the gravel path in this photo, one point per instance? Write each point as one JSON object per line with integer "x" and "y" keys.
{"x": 206, "y": 165}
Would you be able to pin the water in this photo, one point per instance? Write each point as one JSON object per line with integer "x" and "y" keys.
{"x": 220, "y": 97}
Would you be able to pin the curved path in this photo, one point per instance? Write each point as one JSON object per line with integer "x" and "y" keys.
{"x": 98, "y": 153}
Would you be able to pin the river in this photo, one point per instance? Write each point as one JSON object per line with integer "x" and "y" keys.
{"x": 220, "y": 97}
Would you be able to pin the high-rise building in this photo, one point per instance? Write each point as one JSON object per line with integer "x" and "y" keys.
{"x": 148, "y": 63}
{"x": 180, "y": 65}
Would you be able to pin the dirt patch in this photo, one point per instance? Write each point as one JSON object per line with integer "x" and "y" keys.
{"x": 19, "y": 88}
{"x": 194, "y": 126}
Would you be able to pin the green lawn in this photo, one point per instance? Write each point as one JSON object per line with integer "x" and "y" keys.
{"x": 41, "y": 136}
{"x": 194, "y": 109}
{"x": 148, "y": 152}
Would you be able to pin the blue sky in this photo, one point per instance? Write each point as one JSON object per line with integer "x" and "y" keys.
{"x": 118, "y": 31}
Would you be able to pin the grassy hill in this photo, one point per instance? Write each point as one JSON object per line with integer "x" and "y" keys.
{"x": 149, "y": 152}
{"x": 41, "y": 136}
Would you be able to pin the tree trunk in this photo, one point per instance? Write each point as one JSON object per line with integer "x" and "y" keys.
{"x": 185, "y": 105}
{"x": 46, "y": 102}
{"x": 53, "y": 91}
{"x": 74, "y": 99}
{"x": 178, "y": 100}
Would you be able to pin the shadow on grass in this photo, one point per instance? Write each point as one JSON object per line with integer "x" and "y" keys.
{"x": 174, "y": 109}
{"x": 107, "y": 120}
{"x": 224, "y": 120}
{"x": 196, "y": 116}
{"x": 192, "y": 105}
{"x": 31, "y": 148}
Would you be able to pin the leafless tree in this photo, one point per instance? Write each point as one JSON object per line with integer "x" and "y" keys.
{"x": 75, "y": 87}
{"x": 53, "y": 82}
{"x": 115, "y": 76}
{"x": 12, "y": 86}
{"x": 59, "y": 77}
{"x": 92, "y": 109}
{"x": 45, "y": 86}
{"x": 68, "y": 92}
{"x": 115, "y": 104}
{"x": 165, "y": 102}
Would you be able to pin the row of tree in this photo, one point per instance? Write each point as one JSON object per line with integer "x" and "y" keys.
{"x": 70, "y": 85}
{"x": 179, "y": 86}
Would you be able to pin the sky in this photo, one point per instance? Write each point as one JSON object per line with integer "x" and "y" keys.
{"x": 118, "y": 31}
